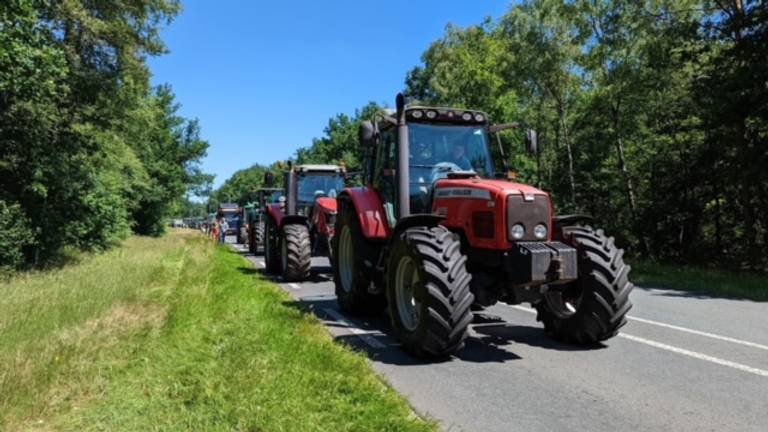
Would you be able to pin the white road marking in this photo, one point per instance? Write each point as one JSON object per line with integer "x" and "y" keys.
{"x": 523, "y": 308}
{"x": 294, "y": 286}
{"x": 696, "y": 355}
{"x": 700, "y": 333}
{"x": 362, "y": 334}
{"x": 674, "y": 349}
{"x": 678, "y": 328}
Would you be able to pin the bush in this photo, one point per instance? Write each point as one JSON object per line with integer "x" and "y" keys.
{"x": 14, "y": 236}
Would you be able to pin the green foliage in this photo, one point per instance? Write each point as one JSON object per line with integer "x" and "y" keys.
{"x": 88, "y": 150}
{"x": 241, "y": 186}
{"x": 651, "y": 115}
{"x": 15, "y": 236}
{"x": 339, "y": 142}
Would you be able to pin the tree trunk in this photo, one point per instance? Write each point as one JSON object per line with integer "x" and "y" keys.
{"x": 562, "y": 128}
{"x": 629, "y": 187}
{"x": 569, "y": 150}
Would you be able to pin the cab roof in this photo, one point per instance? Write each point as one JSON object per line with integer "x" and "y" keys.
{"x": 319, "y": 168}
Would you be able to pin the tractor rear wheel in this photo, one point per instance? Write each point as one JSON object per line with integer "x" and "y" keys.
{"x": 295, "y": 252}
{"x": 592, "y": 308}
{"x": 258, "y": 237}
{"x": 349, "y": 253}
{"x": 271, "y": 253}
{"x": 428, "y": 291}
{"x": 250, "y": 242}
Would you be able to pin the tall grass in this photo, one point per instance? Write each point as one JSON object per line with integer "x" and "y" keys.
{"x": 173, "y": 334}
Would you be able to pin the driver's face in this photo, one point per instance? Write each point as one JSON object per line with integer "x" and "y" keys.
{"x": 458, "y": 151}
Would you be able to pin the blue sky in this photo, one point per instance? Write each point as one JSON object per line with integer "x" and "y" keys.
{"x": 264, "y": 77}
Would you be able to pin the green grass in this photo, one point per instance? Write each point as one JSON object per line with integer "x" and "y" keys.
{"x": 175, "y": 334}
{"x": 703, "y": 281}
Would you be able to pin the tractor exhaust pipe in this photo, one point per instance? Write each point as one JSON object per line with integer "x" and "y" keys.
{"x": 292, "y": 189}
{"x": 403, "y": 180}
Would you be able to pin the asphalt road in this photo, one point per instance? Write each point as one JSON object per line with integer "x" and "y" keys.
{"x": 683, "y": 363}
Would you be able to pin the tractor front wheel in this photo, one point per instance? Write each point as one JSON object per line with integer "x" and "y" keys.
{"x": 428, "y": 291}
{"x": 295, "y": 252}
{"x": 271, "y": 253}
{"x": 592, "y": 308}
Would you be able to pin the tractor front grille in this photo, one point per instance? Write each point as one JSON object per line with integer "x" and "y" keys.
{"x": 528, "y": 213}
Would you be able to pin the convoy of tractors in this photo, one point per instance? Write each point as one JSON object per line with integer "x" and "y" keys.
{"x": 437, "y": 232}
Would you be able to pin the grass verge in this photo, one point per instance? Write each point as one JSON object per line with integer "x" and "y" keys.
{"x": 175, "y": 334}
{"x": 716, "y": 283}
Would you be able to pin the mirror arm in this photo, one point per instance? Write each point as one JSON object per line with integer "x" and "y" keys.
{"x": 503, "y": 126}
{"x": 504, "y": 162}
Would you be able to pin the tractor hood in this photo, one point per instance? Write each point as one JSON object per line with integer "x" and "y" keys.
{"x": 327, "y": 204}
{"x": 486, "y": 210}
{"x": 495, "y": 187}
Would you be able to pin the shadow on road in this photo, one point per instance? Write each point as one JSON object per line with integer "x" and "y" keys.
{"x": 505, "y": 334}
{"x": 494, "y": 341}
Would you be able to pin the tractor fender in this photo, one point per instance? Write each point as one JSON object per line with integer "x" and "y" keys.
{"x": 564, "y": 220}
{"x": 275, "y": 213}
{"x": 293, "y": 219}
{"x": 560, "y": 222}
{"x": 423, "y": 219}
{"x": 370, "y": 211}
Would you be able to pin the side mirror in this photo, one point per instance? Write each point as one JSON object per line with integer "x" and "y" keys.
{"x": 367, "y": 134}
{"x": 269, "y": 179}
{"x": 532, "y": 141}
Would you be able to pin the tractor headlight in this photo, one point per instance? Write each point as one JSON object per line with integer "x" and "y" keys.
{"x": 517, "y": 231}
{"x": 540, "y": 231}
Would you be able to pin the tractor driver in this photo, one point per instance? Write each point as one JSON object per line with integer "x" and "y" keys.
{"x": 459, "y": 159}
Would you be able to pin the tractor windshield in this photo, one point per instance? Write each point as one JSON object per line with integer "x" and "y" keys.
{"x": 313, "y": 186}
{"x": 436, "y": 150}
{"x": 442, "y": 149}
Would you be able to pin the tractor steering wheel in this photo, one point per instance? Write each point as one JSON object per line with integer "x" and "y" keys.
{"x": 441, "y": 170}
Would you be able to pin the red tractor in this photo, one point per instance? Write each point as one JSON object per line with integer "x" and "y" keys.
{"x": 301, "y": 225}
{"x": 434, "y": 235}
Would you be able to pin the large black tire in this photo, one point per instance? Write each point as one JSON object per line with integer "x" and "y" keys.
{"x": 438, "y": 291}
{"x": 271, "y": 249}
{"x": 251, "y": 242}
{"x": 599, "y": 299}
{"x": 295, "y": 252}
{"x": 257, "y": 237}
{"x": 353, "y": 289}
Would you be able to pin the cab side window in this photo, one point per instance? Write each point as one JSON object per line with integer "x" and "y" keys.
{"x": 384, "y": 174}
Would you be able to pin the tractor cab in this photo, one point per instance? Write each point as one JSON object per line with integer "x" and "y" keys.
{"x": 440, "y": 143}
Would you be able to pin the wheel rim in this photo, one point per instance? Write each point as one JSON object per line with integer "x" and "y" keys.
{"x": 346, "y": 258}
{"x": 408, "y": 306}
{"x": 564, "y": 303}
